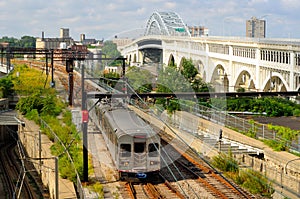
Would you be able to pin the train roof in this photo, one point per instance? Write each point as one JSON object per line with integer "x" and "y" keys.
{"x": 127, "y": 122}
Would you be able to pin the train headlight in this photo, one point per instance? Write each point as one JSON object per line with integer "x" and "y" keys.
{"x": 154, "y": 162}
{"x": 125, "y": 163}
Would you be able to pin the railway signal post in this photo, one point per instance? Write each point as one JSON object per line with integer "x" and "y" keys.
{"x": 69, "y": 69}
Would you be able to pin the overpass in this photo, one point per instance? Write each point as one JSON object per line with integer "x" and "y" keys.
{"x": 228, "y": 63}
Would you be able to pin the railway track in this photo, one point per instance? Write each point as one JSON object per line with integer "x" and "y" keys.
{"x": 151, "y": 190}
{"x": 15, "y": 181}
{"x": 188, "y": 176}
{"x": 194, "y": 177}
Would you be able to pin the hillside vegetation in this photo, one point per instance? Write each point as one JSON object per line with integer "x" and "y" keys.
{"x": 40, "y": 103}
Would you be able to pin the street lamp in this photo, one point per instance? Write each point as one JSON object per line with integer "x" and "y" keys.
{"x": 288, "y": 163}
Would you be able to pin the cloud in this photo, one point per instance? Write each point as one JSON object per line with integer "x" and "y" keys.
{"x": 290, "y": 4}
{"x": 255, "y": 2}
{"x": 170, "y": 5}
{"x": 107, "y": 17}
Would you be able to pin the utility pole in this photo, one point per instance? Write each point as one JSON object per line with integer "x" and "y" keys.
{"x": 8, "y": 54}
{"x": 56, "y": 178}
{"x": 40, "y": 152}
{"x": 2, "y": 56}
{"x": 47, "y": 72}
{"x": 85, "y": 119}
{"x": 123, "y": 74}
{"x": 52, "y": 70}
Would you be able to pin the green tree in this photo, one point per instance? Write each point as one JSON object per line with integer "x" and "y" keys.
{"x": 27, "y": 42}
{"x": 191, "y": 74}
{"x": 139, "y": 79}
{"x": 171, "y": 80}
{"x": 13, "y": 42}
{"x": 111, "y": 79}
{"x": 110, "y": 50}
{"x": 6, "y": 87}
{"x": 200, "y": 86}
{"x": 188, "y": 69}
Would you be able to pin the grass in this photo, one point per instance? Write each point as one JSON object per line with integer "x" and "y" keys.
{"x": 249, "y": 179}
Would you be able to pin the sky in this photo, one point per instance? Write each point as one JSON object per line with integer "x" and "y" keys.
{"x": 104, "y": 19}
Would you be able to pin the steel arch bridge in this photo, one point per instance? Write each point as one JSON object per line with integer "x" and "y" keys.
{"x": 228, "y": 63}
{"x": 166, "y": 23}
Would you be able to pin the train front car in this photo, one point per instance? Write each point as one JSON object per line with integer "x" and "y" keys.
{"x": 138, "y": 147}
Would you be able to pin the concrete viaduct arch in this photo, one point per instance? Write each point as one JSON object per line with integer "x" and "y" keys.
{"x": 275, "y": 82}
{"x": 231, "y": 62}
{"x": 245, "y": 79}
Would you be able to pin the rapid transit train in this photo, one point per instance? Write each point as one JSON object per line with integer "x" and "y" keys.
{"x": 132, "y": 143}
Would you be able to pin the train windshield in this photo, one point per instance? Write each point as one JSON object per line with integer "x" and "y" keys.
{"x": 125, "y": 150}
{"x": 153, "y": 149}
{"x": 139, "y": 147}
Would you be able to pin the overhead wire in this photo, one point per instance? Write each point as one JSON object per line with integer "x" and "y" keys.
{"x": 165, "y": 161}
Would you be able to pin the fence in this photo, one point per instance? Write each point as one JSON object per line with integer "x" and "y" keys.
{"x": 258, "y": 130}
{"x": 79, "y": 187}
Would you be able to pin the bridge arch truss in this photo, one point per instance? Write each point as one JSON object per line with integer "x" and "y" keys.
{"x": 166, "y": 23}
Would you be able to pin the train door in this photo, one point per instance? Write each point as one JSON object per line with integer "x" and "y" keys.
{"x": 140, "y": 158}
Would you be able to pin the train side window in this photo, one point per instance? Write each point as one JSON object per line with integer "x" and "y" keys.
{"x": 139, "y": 147}
{"x": 153, "y": 149}
{"x": 125, "y": 150}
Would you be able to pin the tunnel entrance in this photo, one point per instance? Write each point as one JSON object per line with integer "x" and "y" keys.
{"x": 8, "y": 126}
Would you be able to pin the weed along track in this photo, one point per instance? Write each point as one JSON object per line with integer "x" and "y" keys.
{"x": 183, "y": 174}
{"x": 193, "y": 177}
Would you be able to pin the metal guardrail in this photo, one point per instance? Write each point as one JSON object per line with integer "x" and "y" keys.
{"x": 260, "y": 131}
{"x": 80, "y": 189}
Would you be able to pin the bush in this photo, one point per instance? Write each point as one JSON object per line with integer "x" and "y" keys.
{"x": 225, "y": 163}
{"x": 41, "y": 103}
{"x": 276, "y": 145}
{"x": 33, "y": 115}
{"x": 296, "y": 112}
{"x": 273, "y": 106}
{"x": 6, "y": 87}
{"x": 251, "y": 180}
{"x": 255, "y": 183}
{"x": 284, "y": 135}
{"x": 26, "y": 104}
{"x": 98, "y": 188}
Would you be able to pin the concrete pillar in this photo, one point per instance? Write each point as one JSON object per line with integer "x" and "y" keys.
{"x": 257, "y": 70}
{"x": 140, "y": 58}
{"x": 207, "y": 63}
{"x": 230, "y": 70}
{"x": 292, "y": 68}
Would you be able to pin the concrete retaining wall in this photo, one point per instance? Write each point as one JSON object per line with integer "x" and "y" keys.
{"x": 282, "y": 168}
{"x": 29, "y": 136}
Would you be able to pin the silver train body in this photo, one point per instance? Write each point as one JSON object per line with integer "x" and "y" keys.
{"x": 132, "y": 143}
